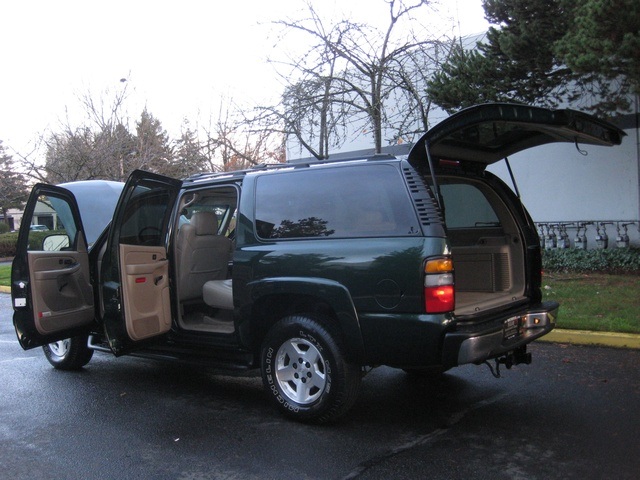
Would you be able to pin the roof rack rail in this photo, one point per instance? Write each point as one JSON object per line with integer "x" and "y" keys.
{"x": 339, "y": 159}
{"x": 300, "y": 163}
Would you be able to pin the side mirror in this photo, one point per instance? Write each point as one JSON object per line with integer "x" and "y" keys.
{"x": 55, "y": 243}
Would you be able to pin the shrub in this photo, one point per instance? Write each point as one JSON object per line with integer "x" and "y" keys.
{"x": 8, "y": 241}
{"x": 4, "y": 228}
{"x": 613, "y": 260}
{"x": 8, "y": 244}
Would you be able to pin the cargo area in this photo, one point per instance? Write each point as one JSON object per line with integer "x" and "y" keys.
{"x": 489, "y": 272}
{"x": 486, "y": 246}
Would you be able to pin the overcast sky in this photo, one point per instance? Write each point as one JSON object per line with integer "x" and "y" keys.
{"x": 179, "y": 57}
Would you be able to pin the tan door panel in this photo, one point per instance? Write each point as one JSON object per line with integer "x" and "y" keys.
{"x": 61, "y": 290}
{"x": 145, "y": 288}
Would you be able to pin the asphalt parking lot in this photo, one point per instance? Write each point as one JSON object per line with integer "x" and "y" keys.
{"x": 573, "y": 413}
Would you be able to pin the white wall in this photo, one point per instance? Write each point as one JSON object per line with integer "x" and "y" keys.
{"x": 558, "y": 184}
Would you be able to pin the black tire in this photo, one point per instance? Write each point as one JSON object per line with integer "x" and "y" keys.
{"x": 305, "y": 372}
{"x": 68, "y": 354}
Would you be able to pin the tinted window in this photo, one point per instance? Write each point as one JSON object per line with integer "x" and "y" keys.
{"x": 355, "y": 201}
{"x": 143, "y": 221}
{"x": 467, "y": 207}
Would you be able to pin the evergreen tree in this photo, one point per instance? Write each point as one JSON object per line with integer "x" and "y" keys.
{"x": 153, "y": 150}
{"x": 603, "y": 40}
{"x": 13, "y": 188}
{"x": 531, "y": 56}
{"x": 189, "y": 157}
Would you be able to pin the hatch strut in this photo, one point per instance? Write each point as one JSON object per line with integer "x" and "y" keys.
{"x": 436, "y": 187}
{"x": 515, "y": 187}
{"x": 513, "y": 179}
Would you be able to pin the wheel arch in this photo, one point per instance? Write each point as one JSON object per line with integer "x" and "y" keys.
{"x": 275, "y": 298}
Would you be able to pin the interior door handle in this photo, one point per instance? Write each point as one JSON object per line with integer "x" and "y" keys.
{"x": 62, "y": 283}
{"x": 49, "y": 274}
{"x": 144, "y": 268}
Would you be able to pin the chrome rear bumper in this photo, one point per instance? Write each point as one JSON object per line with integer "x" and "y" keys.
{"x": 506, "y": 335}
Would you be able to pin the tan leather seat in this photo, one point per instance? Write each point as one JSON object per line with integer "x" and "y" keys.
{"x": 218, "y": 294}
{"x": 203, "y": 255}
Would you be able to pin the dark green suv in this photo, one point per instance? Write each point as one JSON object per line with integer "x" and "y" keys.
{"x": 308, "y": 272}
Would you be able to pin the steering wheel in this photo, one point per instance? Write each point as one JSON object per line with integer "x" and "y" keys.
{"x": 148, "y": 233}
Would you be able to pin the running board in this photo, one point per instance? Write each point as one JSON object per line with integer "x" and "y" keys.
{"x": 94, "y": 343}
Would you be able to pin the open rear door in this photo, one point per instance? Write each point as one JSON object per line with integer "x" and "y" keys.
{"x": 487, "y": 133}
{"x": 50, "y": 279}
{"x": 135, "y": 269}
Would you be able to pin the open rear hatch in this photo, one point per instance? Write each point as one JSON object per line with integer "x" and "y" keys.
{"x": 484, "y": 134}
{"x": 485, "y": 228}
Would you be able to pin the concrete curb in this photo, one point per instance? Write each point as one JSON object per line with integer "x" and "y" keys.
{"x": 585, "y": 337}
{"x": 558, "y": 335}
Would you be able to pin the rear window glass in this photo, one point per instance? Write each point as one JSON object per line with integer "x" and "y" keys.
{"x": 354, "y": 201}
{"x": 467, "y": 207}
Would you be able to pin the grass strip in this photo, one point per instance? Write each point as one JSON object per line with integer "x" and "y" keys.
{"x": 597, "y": 302}
{"x": 5, "y": 275}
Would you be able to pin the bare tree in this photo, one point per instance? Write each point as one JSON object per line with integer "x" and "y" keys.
{"x": 99, "y": 147}
{"x": 102, "y": 145}
{"x": 408, "y": 77}
{"x": 309, "y": 108}
{"x": 71, "y": 155}
{"x": 238, "y": 141}
{"x": 359, "y": 67}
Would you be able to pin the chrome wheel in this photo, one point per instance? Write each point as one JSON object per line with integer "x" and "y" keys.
{"x": 305, "y": 371}
{"x": 60, "y": 348}
{"x": 68, "y": 354}
{"x": 300, "y": 371}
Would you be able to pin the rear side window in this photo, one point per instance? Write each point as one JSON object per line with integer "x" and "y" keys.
{"x": 467, "y": 207}
{"x": 349, "y": 202}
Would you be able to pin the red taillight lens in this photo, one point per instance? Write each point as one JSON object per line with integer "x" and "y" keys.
{"x": 439, "y": 299}
{"x": 439, "y": 291}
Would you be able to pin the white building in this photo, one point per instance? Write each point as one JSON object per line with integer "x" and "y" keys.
{"x": 15, "y": 216}
{"x": 559, "y": 183}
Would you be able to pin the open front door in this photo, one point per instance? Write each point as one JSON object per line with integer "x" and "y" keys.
{"x": 50, "y": 280}
{"x": 135, "y": 269}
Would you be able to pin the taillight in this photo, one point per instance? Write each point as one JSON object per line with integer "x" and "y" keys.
{"x": 439, "y": 291}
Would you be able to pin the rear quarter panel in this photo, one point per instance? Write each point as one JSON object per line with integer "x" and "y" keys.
{"x": 382, "y": 278}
